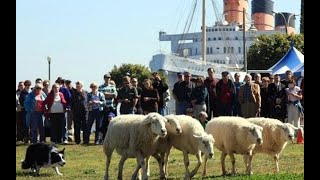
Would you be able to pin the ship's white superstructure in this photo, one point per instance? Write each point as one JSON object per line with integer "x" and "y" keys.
{"x": 225, "y": 43}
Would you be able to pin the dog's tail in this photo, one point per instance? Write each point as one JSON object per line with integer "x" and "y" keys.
{"x": 25, "y": 165}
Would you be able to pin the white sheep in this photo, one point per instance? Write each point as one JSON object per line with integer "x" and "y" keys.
{"x": 233, "y": 135}
{"x": 173, "y": 127}
{"x": 275, "y": 136}
{"x": 133, "y": 136}
{"x": 192, "y": 140}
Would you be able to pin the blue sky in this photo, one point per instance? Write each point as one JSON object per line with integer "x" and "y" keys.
{"x": 87, "y": 38}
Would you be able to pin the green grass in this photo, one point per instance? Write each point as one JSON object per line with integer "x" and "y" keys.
{"x": 88, "y": 163}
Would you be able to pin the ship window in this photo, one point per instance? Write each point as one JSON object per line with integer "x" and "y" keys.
{"x": 196, "y": 51}
{"x": 219, "y": 38}
{"x": 227, "y": 29}
{"x": 219, "y": 29}
{"x": 195, "y": 40}
{"x": 223, "y": 29}
{"x": 236, "y": 38}
{"x": 215, "y": 29}
{"x": 234, "y": 29}
{"x": 239, "y": 49}
{"x": 202, "y": 69}
{"x": 218, "y": 48}
{"x": 224, "y": 50}
{"x": 210, "y": 50}
{"x": 227, "y": 38}
{"x": 207, "y": 50}
{"x": 209, "y": 39}
{"x": 228, "y": 49}
{"x": 231, "y": 49}
{"x": 214, "y": 39}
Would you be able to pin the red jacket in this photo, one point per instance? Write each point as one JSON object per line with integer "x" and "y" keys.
{"x": 49, "y": 101}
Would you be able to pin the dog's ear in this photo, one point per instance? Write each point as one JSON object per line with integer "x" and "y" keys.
{"x": 62, "y": 152}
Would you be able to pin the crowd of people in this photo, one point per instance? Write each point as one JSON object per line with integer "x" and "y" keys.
{"x": 64, "y": 112}
{"x": 259, "y": 97}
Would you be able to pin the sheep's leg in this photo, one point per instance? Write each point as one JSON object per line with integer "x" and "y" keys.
{"x": 223, "y": 163}
{"x": 186, "y": 165}
{"x": 162, "y": 170}
{"x": 166, "y": 161}
{"x": 248, "y": 163}
{"x": 195, "y": 170}
{"x": 120, "y": 166}
{"x": 204, "y": 172}
{"x": 136, "y": 171}
{"x": 147, "y": 165}
{"x": 142, "y": 164}
{"x": 108, "y": 154}
{"x": 245, "y": 159}
{"x": 160, "y": 163}
{"x": 233, "y": 161}
{"x": 276, "y": 160}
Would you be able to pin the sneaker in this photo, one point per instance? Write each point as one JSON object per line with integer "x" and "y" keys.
{"x": 98, "y": 142}
{"x": 65, "y": 142}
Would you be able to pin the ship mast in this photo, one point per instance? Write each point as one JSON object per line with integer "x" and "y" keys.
{"x": 204, "y": 37}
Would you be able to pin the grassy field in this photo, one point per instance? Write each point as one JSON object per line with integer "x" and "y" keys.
{"x": 88, "y": 163}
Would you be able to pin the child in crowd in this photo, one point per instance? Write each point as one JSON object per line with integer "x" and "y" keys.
{"x": 203, "y": 119}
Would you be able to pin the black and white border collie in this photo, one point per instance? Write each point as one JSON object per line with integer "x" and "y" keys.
{"x": 43, "y": 155}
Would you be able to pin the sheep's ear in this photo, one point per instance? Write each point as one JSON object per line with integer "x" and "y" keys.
{"x": 148, "y": 119}
{"x": 196, "y": 136}
{"x": 249, "y": 128}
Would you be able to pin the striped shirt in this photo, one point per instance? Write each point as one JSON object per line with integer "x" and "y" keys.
{"x": 109, "y": 88}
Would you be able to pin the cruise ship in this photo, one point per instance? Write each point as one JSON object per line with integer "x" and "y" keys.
{"x": 226, "y": 43}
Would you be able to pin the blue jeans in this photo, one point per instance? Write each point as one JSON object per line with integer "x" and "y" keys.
{"x": 37, "y": 123}
{"x": 97, "y": 115}
{"x": 181, "y": 107}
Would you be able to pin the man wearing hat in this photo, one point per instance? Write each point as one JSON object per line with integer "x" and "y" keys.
{"x": 110, "y": 92}
{"x": 225, "y": 90}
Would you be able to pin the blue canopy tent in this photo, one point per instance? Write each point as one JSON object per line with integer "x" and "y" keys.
{"x": 289, "y": 61}
{"x": 298, "y": 70}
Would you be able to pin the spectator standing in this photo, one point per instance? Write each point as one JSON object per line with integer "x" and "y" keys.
{"x": 149, "y": 98}
{"x": 295, "y": 108}
{"x": 34, "y": 106}
{"x": 127, "y": 96}
{"x": 225, "y": 90}
{"x": 249, "y": 98}
{"x": 79, "y": 110}
{"x": 177, "y": 94}
{"x": 210, "y": 83}
{"x": 277, "y": 99}
{"x": 198, "y": 97}
{"x": 26, "y": 116}
{"x": 236, "y": 105}
{"x": 56, "y": 106}
{"x": 19, "y": 115}
{"x": 161, "y": 87}
{"x": 96, "y": 102}
{"x": 134, "y": 82}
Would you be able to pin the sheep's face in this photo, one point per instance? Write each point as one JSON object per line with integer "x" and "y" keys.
{"x": 254, "y": 134}
{"x": 288, "y": 131}
{"x": 157, "y": 124}
{"x": 206, "y": 143}
{"x": 173, "y": 124}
